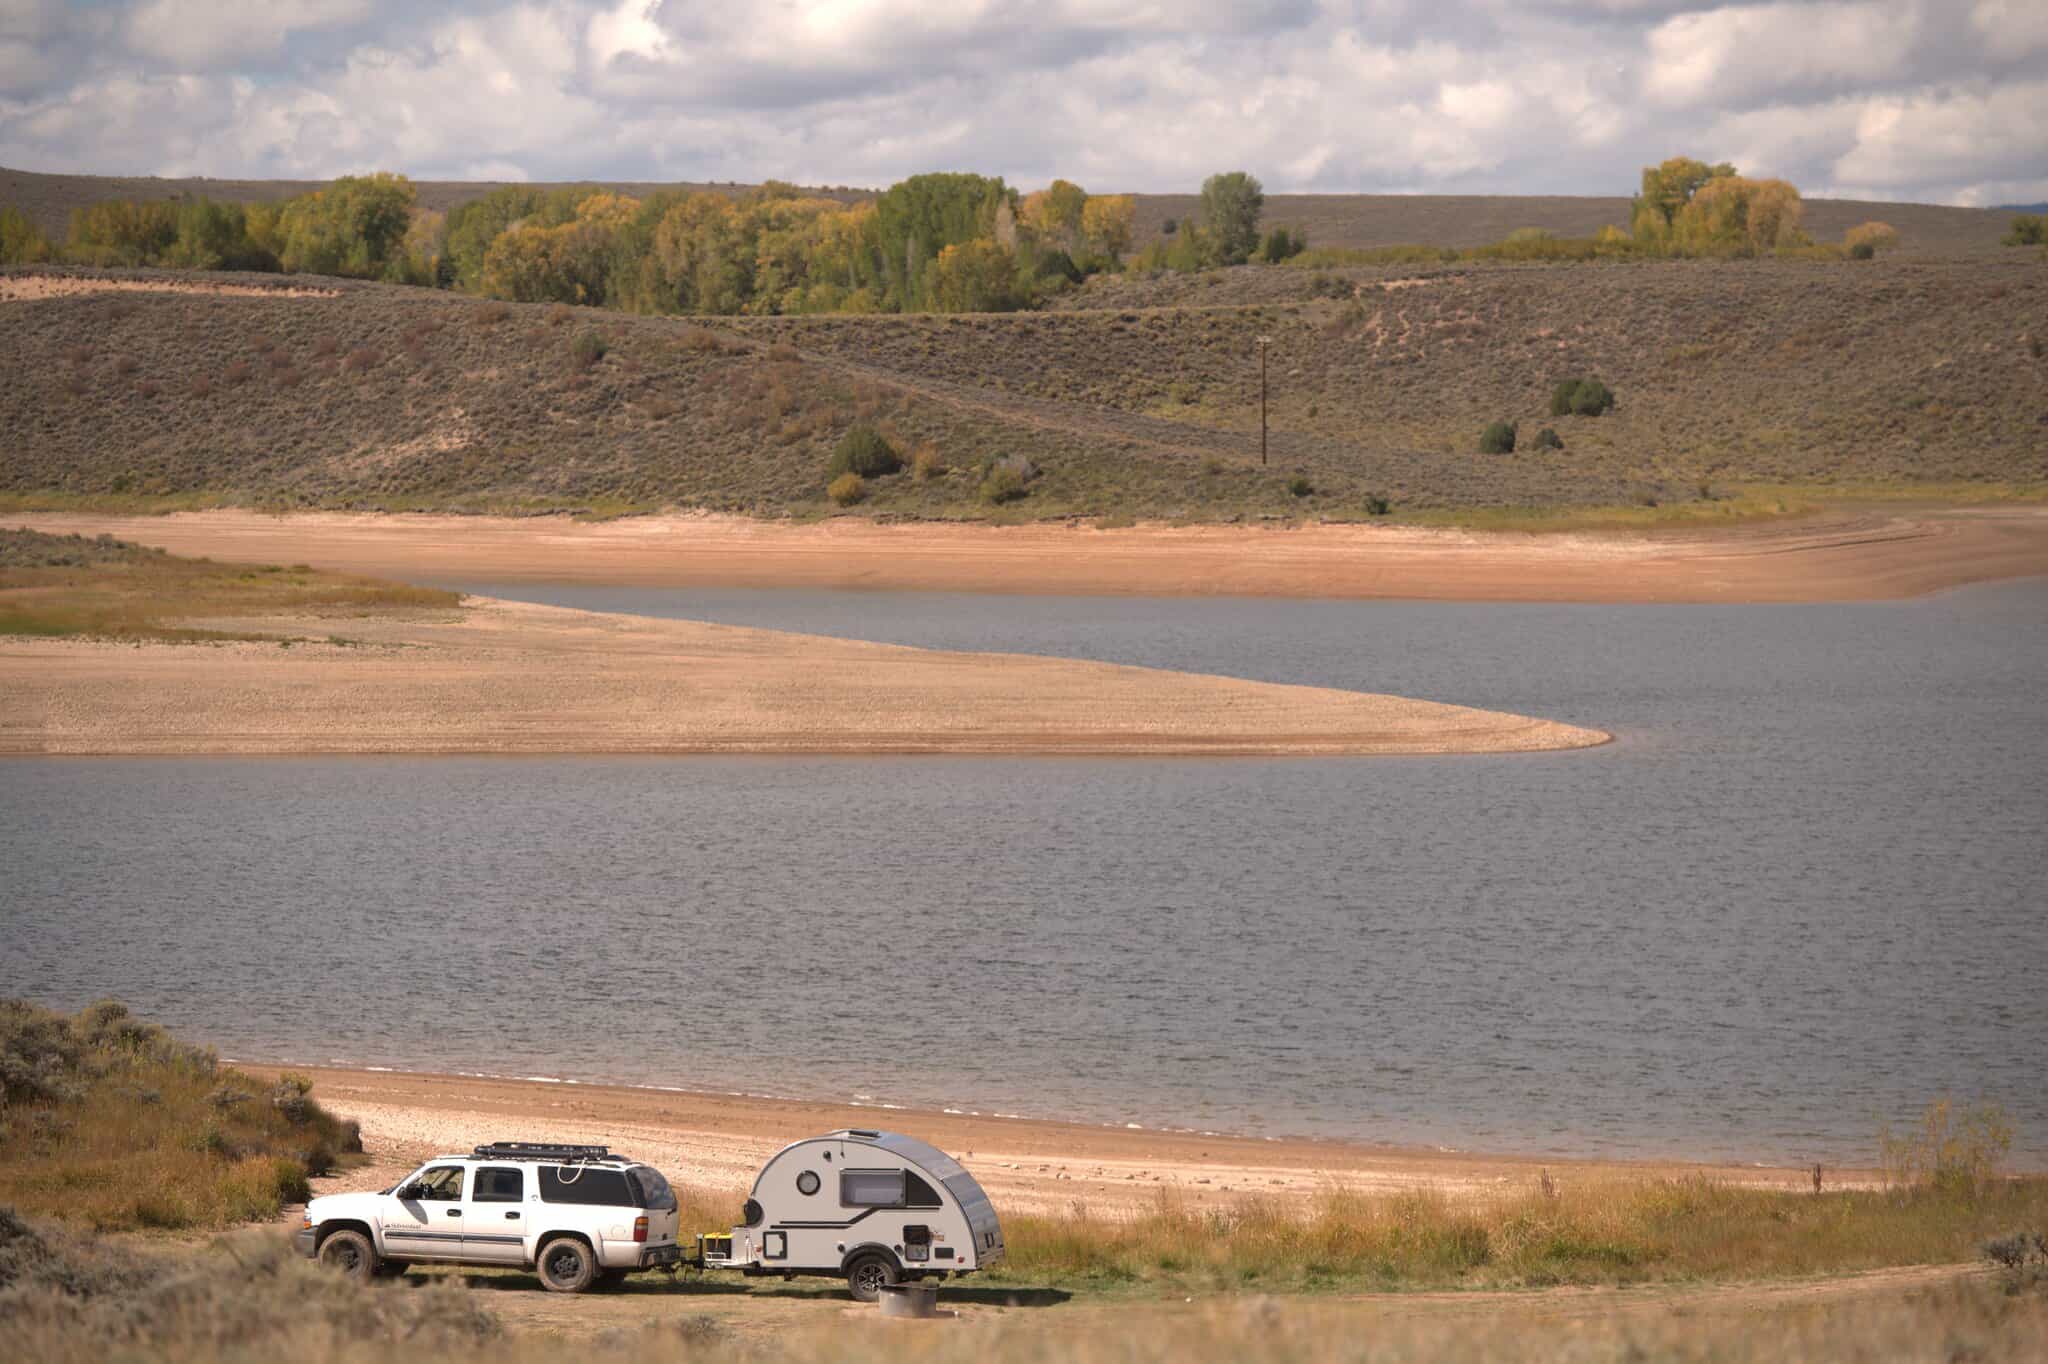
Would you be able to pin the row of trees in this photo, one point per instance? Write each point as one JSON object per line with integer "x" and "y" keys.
{"x": 366, "y": 227}
{"x": 943, "y": 242}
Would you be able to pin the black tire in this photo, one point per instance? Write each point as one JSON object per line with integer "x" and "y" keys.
{"x": 566, "y": 1265}
{"x": 868, "y": 1274}
{"x": 351, "y": 1253}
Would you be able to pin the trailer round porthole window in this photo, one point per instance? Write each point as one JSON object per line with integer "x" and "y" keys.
{"x": 807, "y": 1182}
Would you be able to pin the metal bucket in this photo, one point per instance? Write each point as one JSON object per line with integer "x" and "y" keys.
{"x": 910, "y": 1300}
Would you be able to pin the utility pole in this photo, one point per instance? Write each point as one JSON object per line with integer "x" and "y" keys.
{"x": 1264, "y": 341}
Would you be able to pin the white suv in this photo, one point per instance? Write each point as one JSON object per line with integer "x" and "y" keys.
{"x": 576, "y": 1215}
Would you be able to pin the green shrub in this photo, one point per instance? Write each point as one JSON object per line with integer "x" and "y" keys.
{"x": 1003, "y": 483}
{"x": 1547, "y": 439}
{"x": 1498, "y": 439}
{"x": 1299, "y": 485}
{"x": 588, "y": 349}
{"x": 864, "y": 451}
{"x": 1862, "y": 251}
{"x": 2029, "y": 229}
{"x": 1580, "y": 398}
{"x": 1375, "y": 505}
{"x": 847, "y": 489}
{"x": 1593, "y": 399}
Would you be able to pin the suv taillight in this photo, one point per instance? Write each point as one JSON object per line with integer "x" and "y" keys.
{"x": 640, "y": 1227}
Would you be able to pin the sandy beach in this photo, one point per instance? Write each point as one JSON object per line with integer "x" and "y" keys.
{"x": 715, "y": 1143}
{"x": 511, "y": 677}
{"x": 1833, "y": 556}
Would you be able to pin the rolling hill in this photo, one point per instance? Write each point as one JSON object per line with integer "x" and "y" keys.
{"x": 1138, "y": 398}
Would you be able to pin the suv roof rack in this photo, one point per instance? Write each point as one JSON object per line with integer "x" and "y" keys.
{"x": 540, "y": 1150}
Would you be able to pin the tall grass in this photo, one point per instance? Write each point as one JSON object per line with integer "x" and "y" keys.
{"x": 70, "y": 585}
{"x": 1610, "y": 1232}
{"x": 107, "y": 1121}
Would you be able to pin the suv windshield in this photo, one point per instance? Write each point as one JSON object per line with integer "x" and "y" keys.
{"x": 655, "y": 1193}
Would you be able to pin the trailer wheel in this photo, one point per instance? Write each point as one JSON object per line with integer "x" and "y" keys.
{"x": 867, "y": 1275}
{"x": 351, "y": 1253}
{"x": 566, "y": 1265}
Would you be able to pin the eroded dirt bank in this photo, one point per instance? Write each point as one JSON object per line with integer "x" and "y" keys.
{"x": 1838, "y": 556}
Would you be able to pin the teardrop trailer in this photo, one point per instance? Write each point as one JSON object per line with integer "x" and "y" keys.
{"x": 878, "y": 1208}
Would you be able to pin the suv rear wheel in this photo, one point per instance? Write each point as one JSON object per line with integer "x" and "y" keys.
{"x": 566, "y": 1265}
{"x": 867, "y": 1275}
{"x": 351, "y": 1253}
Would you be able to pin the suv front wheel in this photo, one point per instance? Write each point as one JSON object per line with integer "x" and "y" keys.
{"x": 566, "y": 1265}
{"x": 351, "y": 1253}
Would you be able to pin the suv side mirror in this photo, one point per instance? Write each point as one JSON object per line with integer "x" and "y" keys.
{"x": 412, "y": 1193}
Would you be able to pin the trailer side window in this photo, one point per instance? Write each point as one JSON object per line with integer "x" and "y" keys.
{"x": 871, "y": 1188}
{"x": 918, "y": 1194}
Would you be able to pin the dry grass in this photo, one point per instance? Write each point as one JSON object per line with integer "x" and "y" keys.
{"x": 107, "y": 1122}
{"x": 249, "y": 1299}
{"x": 70, "y": 585}
{"x": 1622, "y": 1233}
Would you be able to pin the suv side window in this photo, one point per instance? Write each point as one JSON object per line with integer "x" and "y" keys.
{"x": 499, "y": 1184}
{"x": 442, "y": 1184}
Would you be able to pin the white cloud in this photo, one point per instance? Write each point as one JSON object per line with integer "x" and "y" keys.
{"x": 1734, "y": 56}
{"x": 205, "y": 33}
{"x": 2015, "y": 28}
{"x": 1473, "y": 96}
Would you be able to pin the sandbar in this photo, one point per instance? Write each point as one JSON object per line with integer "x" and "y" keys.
{"x": 504, "y": 677}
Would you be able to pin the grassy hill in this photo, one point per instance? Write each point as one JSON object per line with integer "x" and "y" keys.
{"x": 1138, "y": 399}
{"x": 1329, "y": 219}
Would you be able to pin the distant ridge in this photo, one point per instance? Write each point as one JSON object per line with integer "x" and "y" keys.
{"x": 2021, "y": 208}
{"x": 1328, "y": 219}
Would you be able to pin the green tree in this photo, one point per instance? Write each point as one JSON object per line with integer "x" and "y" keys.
{"x": 918, "y": 218}
{"x": 122, "y": 232}
{"x": 473, "y": 226}
{"x": 1231, "y": 205}
{"x": 972, "y": 277}
{"x": 21, "y": 241}
{"x": 2028, "y": 229}
{"x": 355, "y": 227}
{"x": 215, "y": 236}
{"x": 1667, "y": 189}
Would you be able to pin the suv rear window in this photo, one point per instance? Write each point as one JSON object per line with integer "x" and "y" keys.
{"x": 582, "y": 1184}
{"x": 654, "y": 1190}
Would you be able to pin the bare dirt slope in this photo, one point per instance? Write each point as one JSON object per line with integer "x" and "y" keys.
{"x": 1849, "y": 556}
{"x": 505, "y": 677}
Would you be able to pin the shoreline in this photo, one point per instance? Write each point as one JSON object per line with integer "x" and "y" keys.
{"x": 505, "y": 677}
{"x": 1841, "y": 555}
{"x": 714, "y": 1141}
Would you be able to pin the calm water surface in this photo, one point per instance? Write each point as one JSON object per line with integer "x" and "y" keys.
{"x": 1803, "y": 893}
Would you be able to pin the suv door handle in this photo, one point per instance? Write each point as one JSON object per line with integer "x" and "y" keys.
{"x": 511, "y": 1217}
{"x": 455, "y": 1212}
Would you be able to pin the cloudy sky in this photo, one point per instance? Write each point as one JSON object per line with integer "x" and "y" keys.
{"x": 1937, "y": 100}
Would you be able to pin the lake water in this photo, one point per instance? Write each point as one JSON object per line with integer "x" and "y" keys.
{"x": 1805, "y": 892}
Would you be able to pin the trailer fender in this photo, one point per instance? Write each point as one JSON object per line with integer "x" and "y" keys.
{"x": 870, "y": 1247}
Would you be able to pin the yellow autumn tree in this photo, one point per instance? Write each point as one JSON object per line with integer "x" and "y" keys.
{"x": 1107, "y": 223}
